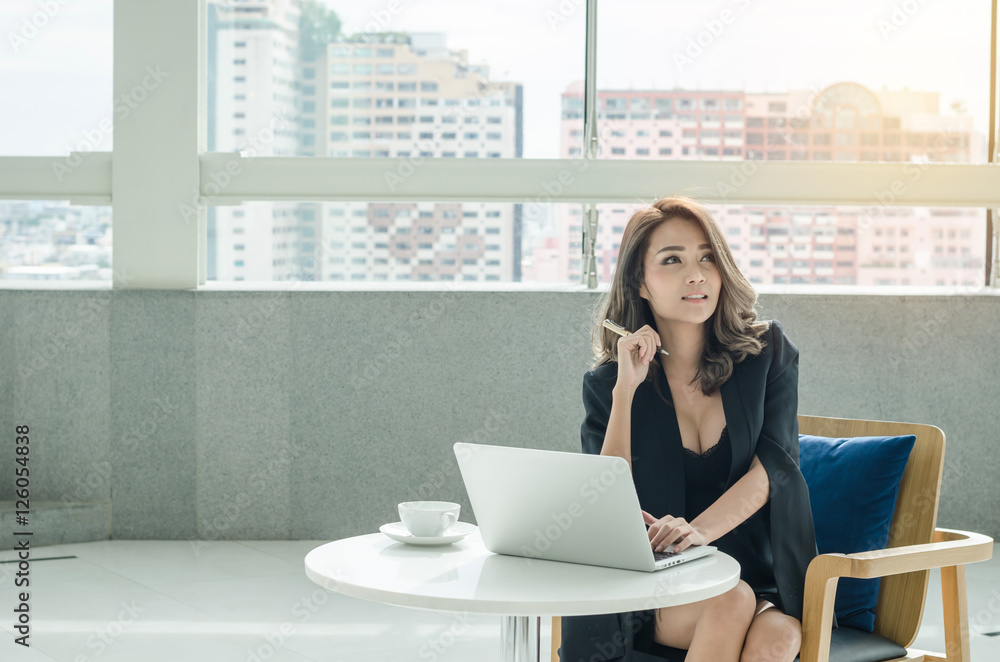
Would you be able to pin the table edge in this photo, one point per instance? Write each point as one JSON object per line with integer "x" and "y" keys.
{"x": 507, "y": 607}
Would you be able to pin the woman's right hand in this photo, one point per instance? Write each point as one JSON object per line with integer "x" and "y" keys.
{"x": 634, "y": 354}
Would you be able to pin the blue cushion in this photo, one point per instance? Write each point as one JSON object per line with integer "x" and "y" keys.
{"x": 853, "y": 484}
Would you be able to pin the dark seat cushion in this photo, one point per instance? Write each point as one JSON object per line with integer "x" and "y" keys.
{"x": 846, "y": 645}
{"x": 853, "y": 645}
{"x": 609, "y": 637}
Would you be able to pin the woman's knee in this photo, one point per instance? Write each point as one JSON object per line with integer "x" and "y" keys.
{"x": 737, "y": 601}
{"x": 675, "y": 626}
{"x": 773, "y": 637}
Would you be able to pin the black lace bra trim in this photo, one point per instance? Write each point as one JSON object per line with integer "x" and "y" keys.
{"x": 711, "y": 450}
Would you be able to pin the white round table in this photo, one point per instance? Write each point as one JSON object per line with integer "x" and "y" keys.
{"x": 466, "y": 577}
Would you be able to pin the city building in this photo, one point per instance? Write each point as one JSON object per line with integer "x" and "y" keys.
{"x": 409, "y": 96}
{"x": 252, "y": 107}
{"x": 875, "y": 245}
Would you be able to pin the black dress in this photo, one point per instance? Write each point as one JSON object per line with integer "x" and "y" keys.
{"x": 705, "y": 477}
{"x": 705, "y": 482}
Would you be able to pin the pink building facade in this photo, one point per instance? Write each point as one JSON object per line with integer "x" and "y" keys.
{"x": 876, "y": 245}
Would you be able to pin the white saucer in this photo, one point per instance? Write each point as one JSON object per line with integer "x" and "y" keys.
{"x": 455, "y": 532}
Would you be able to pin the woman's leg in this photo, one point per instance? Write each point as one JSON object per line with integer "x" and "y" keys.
{"x": 712, "y": 630}
{"x": 773, "y": 636}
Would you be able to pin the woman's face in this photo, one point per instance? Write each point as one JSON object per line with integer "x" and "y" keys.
{"x": 680, "y": 262}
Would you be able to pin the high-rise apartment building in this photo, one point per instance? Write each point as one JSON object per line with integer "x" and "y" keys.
{"x": 373, "y": 95}
{"x": 875, "y": 245}
{"x": 253, "y": 49}
{"x": 410, "y": 97}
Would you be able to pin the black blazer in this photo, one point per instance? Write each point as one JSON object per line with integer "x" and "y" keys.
{"x": 760, "y": 401}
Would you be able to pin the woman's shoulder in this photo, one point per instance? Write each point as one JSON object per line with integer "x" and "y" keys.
{"x": 604, "y": 372}
{"x": 779, "y": 350}
{"x": 778, "y": 339}
{"x": 601, "y": 379}
{"x": 598, "y": 385}
{"x": 774, "y": 338}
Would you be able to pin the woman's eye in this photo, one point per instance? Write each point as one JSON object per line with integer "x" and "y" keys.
{"x": 674, "y": 257}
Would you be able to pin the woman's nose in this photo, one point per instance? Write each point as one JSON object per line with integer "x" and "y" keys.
{"x": 696, "y": 275}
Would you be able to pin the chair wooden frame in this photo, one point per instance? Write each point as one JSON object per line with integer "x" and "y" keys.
{"x": 915, "y": 546}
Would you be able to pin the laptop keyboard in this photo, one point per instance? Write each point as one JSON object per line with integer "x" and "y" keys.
{"x": 659, "y": 556}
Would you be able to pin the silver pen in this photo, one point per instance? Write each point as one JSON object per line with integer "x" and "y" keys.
{"x": 622, "y": 331}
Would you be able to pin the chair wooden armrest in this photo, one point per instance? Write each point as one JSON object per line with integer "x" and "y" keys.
{"x": 951, "y": 550}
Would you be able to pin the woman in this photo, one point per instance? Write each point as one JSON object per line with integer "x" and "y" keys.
{"x": 711, "y": 434}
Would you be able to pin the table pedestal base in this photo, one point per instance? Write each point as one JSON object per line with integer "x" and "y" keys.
{"x": 520, "y": 638}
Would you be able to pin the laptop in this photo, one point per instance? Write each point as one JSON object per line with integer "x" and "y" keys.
{"x": 571, "y": 507}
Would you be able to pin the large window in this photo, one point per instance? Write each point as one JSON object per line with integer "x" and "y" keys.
{"x": 301, "y": 127}
{"x": 851, "y": 81}
{"x": 379, "y": 241}
{"x": 835, "y": 245}
{"x": 51, "y": 241}
{"x": 434, "y": 64}
{"x": 56, "y": 77}
{"x": 56, "y": 86}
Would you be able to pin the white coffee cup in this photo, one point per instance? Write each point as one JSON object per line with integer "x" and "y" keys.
{"x": 428, "y": 518}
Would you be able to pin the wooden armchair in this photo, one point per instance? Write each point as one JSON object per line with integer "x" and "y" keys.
{"x": 915, "y": 546}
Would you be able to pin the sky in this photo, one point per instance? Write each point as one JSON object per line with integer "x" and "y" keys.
{"x": 56, "y": 85}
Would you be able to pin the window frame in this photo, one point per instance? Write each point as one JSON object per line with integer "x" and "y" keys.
{"x": 164, "y": 178}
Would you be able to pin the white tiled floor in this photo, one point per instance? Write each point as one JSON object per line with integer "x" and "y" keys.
{"x": 250, "y": 601}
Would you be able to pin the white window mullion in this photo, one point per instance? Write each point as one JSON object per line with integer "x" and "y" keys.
{"x": 158, "y": 135}
{"x": 521, "y": 180}
{"x": 82, "y": 178}
{"x": 588, "y": 275}
{"x": 601, "y": 180}
{"x": 202, "y": 97}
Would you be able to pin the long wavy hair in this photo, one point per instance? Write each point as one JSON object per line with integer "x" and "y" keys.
{"x": 732, "y": 333}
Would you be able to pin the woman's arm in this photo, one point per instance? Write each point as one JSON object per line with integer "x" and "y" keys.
{"x": 736, "y": 505}
{"x": 618, "y": 440}
{"x": 607, "y": 426}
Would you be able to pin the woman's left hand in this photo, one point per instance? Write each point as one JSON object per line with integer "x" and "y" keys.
{"x": 666, "y": 530}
